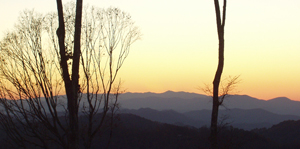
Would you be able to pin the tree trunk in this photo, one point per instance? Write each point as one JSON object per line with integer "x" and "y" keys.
{"x": 216, "y": 82}
{"x": 71, "y": 84}
{"x": 73, "y": 102}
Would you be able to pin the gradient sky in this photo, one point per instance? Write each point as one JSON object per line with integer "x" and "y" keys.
{"x": 178, "y": 50}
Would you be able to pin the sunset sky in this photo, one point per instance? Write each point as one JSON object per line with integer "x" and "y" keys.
{"x": 178, "y": 49}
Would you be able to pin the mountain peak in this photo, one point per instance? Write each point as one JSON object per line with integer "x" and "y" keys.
{"x": 280, "y": 99}
{"x": 169, "y": 91}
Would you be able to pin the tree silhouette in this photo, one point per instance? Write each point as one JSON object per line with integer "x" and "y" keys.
{"x": 71, "y": 81}
{"x": 216, "y": 82}
{"x": 75, "y": 52}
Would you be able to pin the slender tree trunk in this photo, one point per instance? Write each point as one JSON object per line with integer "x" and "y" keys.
{"x": 73, "y": 102}
{"x": 71, "y": 84}
{"x": 216, "y": 82}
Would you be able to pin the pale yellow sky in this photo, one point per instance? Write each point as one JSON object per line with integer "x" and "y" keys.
{"x": 178, "y": 50}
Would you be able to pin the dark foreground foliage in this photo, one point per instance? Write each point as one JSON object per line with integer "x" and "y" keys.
{"x": 134, "y": 132}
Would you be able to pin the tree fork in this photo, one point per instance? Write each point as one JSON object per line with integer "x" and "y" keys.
{"x": 216, "y": 82}
{"x": 71, "y": 84}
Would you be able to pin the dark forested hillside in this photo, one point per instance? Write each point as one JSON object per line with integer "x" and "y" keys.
{"x": 135, "y": 132}
{"x": 286, "y": 134}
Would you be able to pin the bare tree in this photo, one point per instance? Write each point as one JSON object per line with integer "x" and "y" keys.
{"x": 39, "y": 64}
{"x": 227, "y": 88}
{"x": 216, "y": 82}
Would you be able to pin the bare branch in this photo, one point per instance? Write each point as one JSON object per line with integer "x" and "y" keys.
{"x": 39, "y": 67}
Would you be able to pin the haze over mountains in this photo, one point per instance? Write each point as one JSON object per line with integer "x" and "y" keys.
{"x": 184, "y": 102}
{"x": 181, "y": 108}
{"x": 181, "y": 120}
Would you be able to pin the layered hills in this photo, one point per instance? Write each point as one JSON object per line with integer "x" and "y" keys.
{"x": 184, "y": 102}
{"x": 182, "y": 108}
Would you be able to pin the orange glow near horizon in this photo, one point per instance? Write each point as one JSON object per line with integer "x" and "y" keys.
{"x": 178, "y": 49}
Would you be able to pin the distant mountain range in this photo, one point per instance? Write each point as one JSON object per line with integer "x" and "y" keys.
{"x": 181, "y": 120}
{"x": 182, "y": 108}
{"x": 184, "y": 102}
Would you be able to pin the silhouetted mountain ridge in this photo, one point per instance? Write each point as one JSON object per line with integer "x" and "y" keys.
{"x": 165, "y": 116}
{"x": 239, "y": 118}
{"x": 184, "y": 102}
